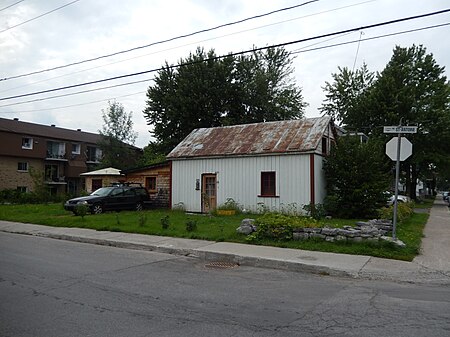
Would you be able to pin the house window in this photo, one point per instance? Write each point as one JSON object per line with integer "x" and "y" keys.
{"x": 76, "y": 148}
{"x": 22, "y": 167}
{"x": 27, "y": 143}
{"x": 150, "y": 184}
{"x": 22, "y": 189}
{"x": 268, "y": 184}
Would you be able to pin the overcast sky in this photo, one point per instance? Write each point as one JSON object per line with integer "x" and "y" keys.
{"x": 90, "y": 28}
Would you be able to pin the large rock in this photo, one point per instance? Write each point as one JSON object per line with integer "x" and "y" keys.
{"x": 247, "y": 227}
{"x": 397, "y": 242}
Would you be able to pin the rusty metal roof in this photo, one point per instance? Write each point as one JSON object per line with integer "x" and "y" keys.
{"x": 290, "y": 136}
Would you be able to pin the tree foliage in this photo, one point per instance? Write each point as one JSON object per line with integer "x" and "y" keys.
{"x": 357, "y": 178}
{"x": 207, "y": 91}
{"x": 345, "y": 96}
{"x": 411, "y": 89}
{"x": 118, "y": 137}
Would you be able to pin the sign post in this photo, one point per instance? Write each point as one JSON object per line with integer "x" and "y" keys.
{"x": 400, "y": 154}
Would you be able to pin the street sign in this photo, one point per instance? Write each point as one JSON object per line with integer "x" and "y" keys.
{"x": 405, "y": 148}
{"x": 400, "y": 129}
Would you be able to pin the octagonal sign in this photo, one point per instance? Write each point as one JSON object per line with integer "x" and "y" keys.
{"x": 405, "y": 148}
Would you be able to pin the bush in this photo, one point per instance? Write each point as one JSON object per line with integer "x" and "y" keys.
{"x": 316, "y": 211}
{"x": 81, "y": 210}
{"x": 191, "y": 225}
{"x": 231, "y": 205}
{"x": 280, "y": 227}
{"x": 165, "y": 222}
{"x": 404, "y": 211}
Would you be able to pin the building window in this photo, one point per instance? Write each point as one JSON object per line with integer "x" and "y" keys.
{"x": 51, "y": 173}
{"x": 23, "y": 167}
{"x": 268, "y": 184}
{"x": 27, "y": 143}
{"x": 56, "y": 150}
{"x": 93, "y": 154}
{"x": 22, "y": 189}
{"x": 76, "y": 148}
{"x": 150, "y": 184}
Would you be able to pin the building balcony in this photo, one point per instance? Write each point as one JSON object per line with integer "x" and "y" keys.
{"x": 56, "y": 156}
{"x": 56, "y": 180}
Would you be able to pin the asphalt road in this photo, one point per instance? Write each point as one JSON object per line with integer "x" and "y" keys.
{"x": 59, "y": 288}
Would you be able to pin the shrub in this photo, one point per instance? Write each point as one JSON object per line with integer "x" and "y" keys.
{"x": 191, "y": 225}
{"x": 315, "y": 211}
{"x": 81, "y": 210}
{"x": 165, "y": 222}
{"x": 280, "y": 227}
{"x": 230, "y": 204}
{"x": 404, "y": 211}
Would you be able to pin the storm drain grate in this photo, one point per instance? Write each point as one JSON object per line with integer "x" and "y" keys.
{"x": 221, "y": 265}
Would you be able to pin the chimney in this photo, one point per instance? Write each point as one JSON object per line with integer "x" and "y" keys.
{"x": 78, "y": 129}
{"x": 16, "y": 119}
{"x": 53, "y": 125}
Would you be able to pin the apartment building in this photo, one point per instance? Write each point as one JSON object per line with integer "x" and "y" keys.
{"x": 59, "y": 155}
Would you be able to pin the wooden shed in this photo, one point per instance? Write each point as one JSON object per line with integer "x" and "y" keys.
{"x": 156, "y": 178}
{"x": 273, "y": 165}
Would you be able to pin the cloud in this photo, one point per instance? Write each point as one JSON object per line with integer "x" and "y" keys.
{"x": 88, "y": 29}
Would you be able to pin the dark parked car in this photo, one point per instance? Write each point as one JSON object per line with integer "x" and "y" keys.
{"x": 113, "y": 198}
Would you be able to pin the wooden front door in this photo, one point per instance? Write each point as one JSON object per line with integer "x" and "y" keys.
{"x": 209, "y": 192}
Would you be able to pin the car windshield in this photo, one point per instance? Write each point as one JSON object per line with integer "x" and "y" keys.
{"x": 101, "y": 192}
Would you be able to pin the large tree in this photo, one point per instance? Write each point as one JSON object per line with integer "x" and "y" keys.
{"x": 118, "y": 137}
{"x": 344, "y": 97}
{"x": 411, "y": 89}
{"x": 206, "y": 91}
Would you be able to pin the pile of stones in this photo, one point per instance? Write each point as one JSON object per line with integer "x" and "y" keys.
{"x": 372, "y": 230}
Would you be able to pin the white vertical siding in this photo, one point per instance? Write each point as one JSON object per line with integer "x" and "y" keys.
{"x": 320, "y": 184}
{"x": 240, "y": 178}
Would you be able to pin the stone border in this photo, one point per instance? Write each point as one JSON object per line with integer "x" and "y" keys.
{"x": 372, "y": 230}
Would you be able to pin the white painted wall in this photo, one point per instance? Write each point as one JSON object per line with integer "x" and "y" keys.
{"x": 240, "y": 178}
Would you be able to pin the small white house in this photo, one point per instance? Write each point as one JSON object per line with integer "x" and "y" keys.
{"x": 272, "y": 165}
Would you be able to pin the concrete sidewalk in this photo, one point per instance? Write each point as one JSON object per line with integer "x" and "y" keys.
{"x": 432, "y": 266}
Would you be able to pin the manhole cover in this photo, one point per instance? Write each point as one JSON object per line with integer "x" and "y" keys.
{"x": 221, "y": 265}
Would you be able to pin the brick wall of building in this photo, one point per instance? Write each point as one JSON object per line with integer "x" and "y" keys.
{"x": 11, "y": 178}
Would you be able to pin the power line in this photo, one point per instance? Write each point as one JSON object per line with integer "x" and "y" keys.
{"x": 76, "y": 93}
{"x": 74, "y": 105}
{"x": 298, "y": 51}
{"x": 158, "y": 42}
{"x": 189, "y": 44}
{"x": 229, "y": 55}
{"x": 39, "y": 16}
{"x": 16, "y": 3}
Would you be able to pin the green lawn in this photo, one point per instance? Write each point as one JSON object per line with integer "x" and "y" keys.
{"x": 214, "y": 228}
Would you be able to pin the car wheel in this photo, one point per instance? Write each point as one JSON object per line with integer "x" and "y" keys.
{"x": 139, "y": 206}
{"x": 97, "y": 209}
